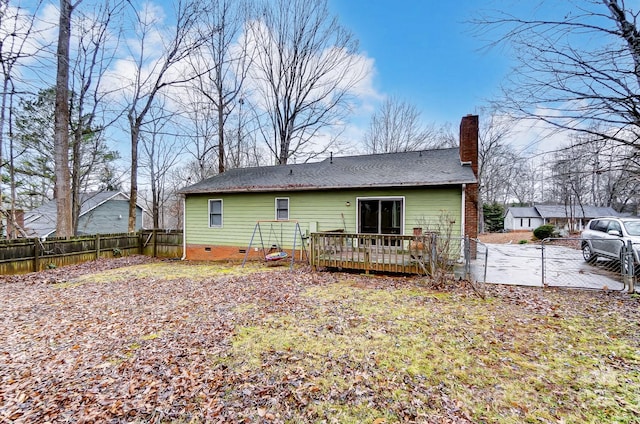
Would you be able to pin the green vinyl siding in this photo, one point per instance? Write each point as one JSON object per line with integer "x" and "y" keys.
{"x": 314, "y": 210}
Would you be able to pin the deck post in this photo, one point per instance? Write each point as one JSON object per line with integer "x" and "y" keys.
{"x": 367, "y": 254}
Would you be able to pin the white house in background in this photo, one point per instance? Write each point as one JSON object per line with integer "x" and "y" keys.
{"x": 522, "y": 219}
{"x": 564, "y": 218}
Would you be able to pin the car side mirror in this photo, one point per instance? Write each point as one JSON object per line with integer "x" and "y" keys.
{"x": 614, "y": 233}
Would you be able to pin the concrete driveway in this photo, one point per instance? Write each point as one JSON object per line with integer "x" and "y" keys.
{"x": 521, "y": 264}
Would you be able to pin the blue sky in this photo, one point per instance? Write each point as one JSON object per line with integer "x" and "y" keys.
{"x": 424, "y": 53}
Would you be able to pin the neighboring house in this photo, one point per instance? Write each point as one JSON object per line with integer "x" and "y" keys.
{"x": 380, "y": 194}
{"x": 564, "y": 218}
{"x": 522, "y": 219}
{"x": 100, "y": 213}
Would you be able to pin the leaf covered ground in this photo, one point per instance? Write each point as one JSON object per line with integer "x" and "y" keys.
{"x": 135, "y": 340}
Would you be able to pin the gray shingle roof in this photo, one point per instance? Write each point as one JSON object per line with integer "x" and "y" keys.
{"x": 560, "y": 211}
{"x": 523, "y": 212}
{"x": 406, "y": 169}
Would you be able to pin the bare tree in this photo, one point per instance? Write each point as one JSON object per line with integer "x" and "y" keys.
{"x": 202, "y": 125}
{"x": 305, "y": 68}
{"x": 222, "y": 63}
{"x": 33, "y": 137}
{"x": 243, "y": 149}
{"x": 161, "y": 152}
{"x": 153, "y": 74}
{"x": 240, "y": 131}
{"x": 92, "y": 57}
{"x": 594, "y": 171}
{"x": 523, "y": 183}
{"x": 499, "y": 171}
{"x": 569, "y": 188}
{"x": 16, "y": 29}
{"x": 497, "y": 159}
{"x": 577, "y": 70}
{"x": 397, "y": 127}
{"x": 445, "y": 136}
{"x": 64, "y": 227}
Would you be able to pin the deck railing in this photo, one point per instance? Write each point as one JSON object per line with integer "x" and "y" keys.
{"x": 380, "y": 252}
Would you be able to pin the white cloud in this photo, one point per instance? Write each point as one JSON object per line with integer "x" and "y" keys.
{"x": 537, "y": 137}
{"x": 27, "y": 35}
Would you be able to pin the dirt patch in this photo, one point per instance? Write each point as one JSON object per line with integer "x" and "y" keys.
{"x": 507, "y": 238}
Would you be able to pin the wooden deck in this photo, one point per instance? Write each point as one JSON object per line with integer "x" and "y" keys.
{"x": 371, "y": 252}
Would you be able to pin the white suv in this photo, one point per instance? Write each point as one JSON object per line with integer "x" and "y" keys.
{"x": 608, "y": 237}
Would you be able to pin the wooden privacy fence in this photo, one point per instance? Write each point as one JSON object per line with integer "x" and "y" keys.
{"x": 27, "y": 255}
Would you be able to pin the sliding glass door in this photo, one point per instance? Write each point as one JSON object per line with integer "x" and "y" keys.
{"x": 380, "y": 216}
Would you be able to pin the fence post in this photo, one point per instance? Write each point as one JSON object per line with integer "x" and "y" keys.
{"x": 97, "y": 241}
{"x": 154, "y": 235}
{"x": 36, "y": 254}
{"x": 632, "y": 271}
{"x": 467, "y": 258}
{"x": 433, "y": 257}
{"x": 628, "y": 266}
{"x": 544, "y": 283}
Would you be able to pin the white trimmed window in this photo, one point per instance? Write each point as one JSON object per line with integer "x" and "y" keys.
{"x": 282, "y": 208}
{"x": 381, "y": 215}
{"x": 215, "y": 213}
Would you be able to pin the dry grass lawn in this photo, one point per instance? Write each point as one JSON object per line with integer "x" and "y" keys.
{"x": 510, "y": 237}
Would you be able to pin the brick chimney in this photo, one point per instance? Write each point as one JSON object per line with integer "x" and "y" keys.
{"x": 469, "y": 154}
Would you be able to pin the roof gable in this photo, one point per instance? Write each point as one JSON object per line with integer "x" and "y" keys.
{"x": 523, "y": 212}
{"x": 405, "y": 169}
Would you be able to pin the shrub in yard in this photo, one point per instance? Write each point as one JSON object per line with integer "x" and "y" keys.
{"x": 544, "y": 231}
{"x": 523, "y": 241}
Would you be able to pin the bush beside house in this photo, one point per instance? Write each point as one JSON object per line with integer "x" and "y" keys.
{"x": 544, "y": 231}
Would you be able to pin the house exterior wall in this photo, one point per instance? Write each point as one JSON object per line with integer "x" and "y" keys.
{"x": 109, "y": 217}
{"x": 315, "y": 211}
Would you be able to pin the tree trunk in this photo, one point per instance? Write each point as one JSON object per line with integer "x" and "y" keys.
{"x": 5, "y": 84}
{"x": 61, "y": 125}
{"x": 12, "y": 171}
{"x": 75, "y": 179}
{"x": 133, "y": 194}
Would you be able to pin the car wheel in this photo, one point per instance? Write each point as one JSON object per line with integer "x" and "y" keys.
{"x": 588, "y": 254}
